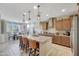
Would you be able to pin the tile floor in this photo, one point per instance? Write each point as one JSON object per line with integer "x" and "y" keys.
{"x": 57, "y": 50}
{"x": 11, "y": 48}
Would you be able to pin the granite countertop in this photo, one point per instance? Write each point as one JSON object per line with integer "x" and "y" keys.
{"x": 40, "y": 39}
{"x": 46, "y": 34}
{"x": 62, "y": 35}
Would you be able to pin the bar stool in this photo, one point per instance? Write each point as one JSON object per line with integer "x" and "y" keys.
{"x": 20, "y": 42}
{"x": 33, "y": 48}
{"x": 25, "y": 43}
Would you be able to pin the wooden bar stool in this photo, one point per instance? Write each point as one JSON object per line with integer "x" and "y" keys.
{"x": 25, "y": 43}
{"x": 33, "y": 48}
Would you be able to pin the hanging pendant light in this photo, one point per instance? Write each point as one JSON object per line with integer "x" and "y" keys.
{"x": 38, "y": 15}
{"x": 29, "y": 15}
{"x": 24, "y": 14}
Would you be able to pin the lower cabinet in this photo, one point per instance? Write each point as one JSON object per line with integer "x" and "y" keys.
{"x": 57, "y": 39}
{"x": 66, "y": 41}
{"x": 61, "y": 40}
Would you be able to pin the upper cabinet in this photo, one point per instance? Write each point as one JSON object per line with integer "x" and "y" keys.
{"x": 67, "y": 24}
{"x": 44, "y": 25}
{"x": 58, "y": 24}
{"x": 64, "y": 24}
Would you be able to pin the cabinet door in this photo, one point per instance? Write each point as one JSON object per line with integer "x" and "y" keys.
{"x": 54, "y": 40}
{"x": 67, "y": 23}
{"x": 65, "y": 41}
{"x": 58, "y": 25}
{"x": 44, "y": 25}
{"x": 57, "y": 39}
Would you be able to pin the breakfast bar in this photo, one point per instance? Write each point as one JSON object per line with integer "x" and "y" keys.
{"x": 44, "y": 43}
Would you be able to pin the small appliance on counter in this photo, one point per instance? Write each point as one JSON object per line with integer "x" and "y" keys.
{"x": 67, "y": 33}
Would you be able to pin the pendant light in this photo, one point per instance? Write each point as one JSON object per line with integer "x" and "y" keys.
{"x": 24, "y": 15}
{"x": 29, "y": 15}
{"x": 38, "y": 15}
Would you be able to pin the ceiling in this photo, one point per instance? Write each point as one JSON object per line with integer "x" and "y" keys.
{"x": 14, "y": 11}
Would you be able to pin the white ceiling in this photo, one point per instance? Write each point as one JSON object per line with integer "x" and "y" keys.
{"x": 14, "y": 11}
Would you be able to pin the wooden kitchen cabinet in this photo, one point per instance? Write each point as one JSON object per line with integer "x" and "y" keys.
{"x": 59, "y": 24}
{"x": 67, "y": 24}
{"x": 61, "y": 40}
{"x": 57, "y": 39}
{"x": 70, "y": 23}
{"x": 65, "y": 41}
{"x": 64, "y": 24}
{"x": 44, "y": 25}
{"x": 54, "y": 40}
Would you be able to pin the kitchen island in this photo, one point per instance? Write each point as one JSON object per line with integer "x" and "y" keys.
{"x": 44, "y": 43}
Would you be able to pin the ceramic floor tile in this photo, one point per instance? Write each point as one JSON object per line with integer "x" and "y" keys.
{"x": 11, "y": 48}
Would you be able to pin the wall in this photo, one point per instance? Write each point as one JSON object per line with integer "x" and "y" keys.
{"x": 74, "y": 36}
{"x": 52, "y": 30}
{"x": 78, "y": 36}
{"x": 0, "y": 26}
{"x": 3, "y": 36}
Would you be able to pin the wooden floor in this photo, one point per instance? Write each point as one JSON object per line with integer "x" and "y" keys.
{"x": 11, "y": 48}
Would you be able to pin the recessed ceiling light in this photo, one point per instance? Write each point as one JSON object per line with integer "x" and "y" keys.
{"x": 47, "y": 15}
{"x": 28, "y": 26}
{"x": 63, "y": 10}
{"x": 35, "y": 7}
{"x": 24, "y": 14}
